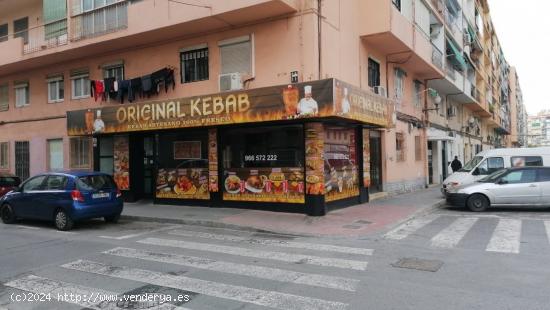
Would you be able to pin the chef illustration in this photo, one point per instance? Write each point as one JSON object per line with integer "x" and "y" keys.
{"x": 99, "y": 125}
{"x": 346, "y": 106}
{"x": 307, "y": 105}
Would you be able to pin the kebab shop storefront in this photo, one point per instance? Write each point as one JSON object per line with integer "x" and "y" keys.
{"x": 301, "y": 147}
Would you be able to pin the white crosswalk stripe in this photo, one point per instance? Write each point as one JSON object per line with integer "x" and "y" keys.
{"x": 93, "y": 298}
{"x": 280, "y": 243}
{"x": 272, "y": 255}
{"x": 274, "y": 274}
{"x": 547, "y": 226}
{"x": 451, "y": 236}
{"x": 404, "y": 230}
{"x": 239, "y": 293}
{"x": 140, "y": 233}
{"x": 506, "y": 237}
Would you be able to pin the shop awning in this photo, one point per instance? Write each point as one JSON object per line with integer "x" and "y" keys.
{"x": 456, "y": 56}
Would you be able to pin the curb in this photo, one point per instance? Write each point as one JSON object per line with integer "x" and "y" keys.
{"x": 213, "y": 224}
{"x": 421, "y": 212}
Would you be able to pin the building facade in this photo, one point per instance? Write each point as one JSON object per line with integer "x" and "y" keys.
{"x": 538, "y": 129}
{"x": 399, "y": 88}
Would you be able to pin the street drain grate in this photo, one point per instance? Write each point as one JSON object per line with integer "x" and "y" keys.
{"x": 418, "y": 264}
{"x": 152, "y": 296}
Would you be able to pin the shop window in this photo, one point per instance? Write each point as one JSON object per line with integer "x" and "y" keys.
{"x": 3, "y": 32}
{"x": 80, "y": 84}
{"x": 340, "y": 167}
{"x": 22, "y": 159}
{"x": 183, "y": 165}
{"x": 399, "y": 146}
{"x": 417, "y": 148}
{"x": 21, "y": 94}
{"x": 4, "y": 97}
{"x": 374, "y": 73}
{"x": 236, "y": 55}
{"x": 194, "y": 65}
{"x": 4, "y": 155}
{"x": 55, "y": 154}
{"x": 80, "y": 153}
{"x": 264, "y": 164}
{"x": 56, "y": 89}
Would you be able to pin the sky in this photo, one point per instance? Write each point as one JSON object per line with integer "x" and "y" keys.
{"x": 523, "y": 29}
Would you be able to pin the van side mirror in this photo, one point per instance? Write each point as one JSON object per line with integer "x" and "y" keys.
{"x": 476, "y": 171}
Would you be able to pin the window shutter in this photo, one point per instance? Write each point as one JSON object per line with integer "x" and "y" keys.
{"x": 236, "y": 57}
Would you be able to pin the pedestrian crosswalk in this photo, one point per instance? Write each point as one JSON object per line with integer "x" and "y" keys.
{"x": 281, "y": 273}
{"x": 505, "y": 237}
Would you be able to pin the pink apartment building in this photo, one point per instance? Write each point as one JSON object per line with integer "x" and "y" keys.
{"x": 286, "y": 104}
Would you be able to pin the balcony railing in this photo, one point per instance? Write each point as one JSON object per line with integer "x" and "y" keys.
{"x": 99, "y": 21}
{"x": 42, "y": 37}
{"x": 437, "y": 57}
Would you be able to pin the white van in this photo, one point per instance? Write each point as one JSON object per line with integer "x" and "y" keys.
{"x": 489, "y": 161}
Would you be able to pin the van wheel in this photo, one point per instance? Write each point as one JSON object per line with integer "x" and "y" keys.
{"x": 8, "y": 216}
{"x": 478, "y": 203}
{"x": 62, "y": 220}
{"x": 112, "y": 218}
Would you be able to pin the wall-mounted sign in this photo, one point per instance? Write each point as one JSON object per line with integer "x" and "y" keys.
{"x": 294, "y": 77}
{"x": 187, "y": 150}
{"x": 302, "y": 100}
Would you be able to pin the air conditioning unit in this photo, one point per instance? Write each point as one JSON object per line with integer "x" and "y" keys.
{"x": 380, "y": 90}
{"x": 230, "y": 81}
{"x": 451, "y": 111}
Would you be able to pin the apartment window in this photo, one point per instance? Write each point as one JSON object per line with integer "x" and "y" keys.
{"x": 417, "y": 148}
{"x": 4, "y": 97}
{"x": 374, "y": 73}
{"x": 56, "y": 89}
{"x": 21, "y": 29}
{"x": 4, "y": 155}
{"x": 399, "y": 84}
{"x": 80, "y": 153}
{"x": 80, "y": 84}
{"x": 399, "y": 146}
{"x": 116, "y": 71}
{"x": 417, "y": 96}
{"x": 100, "y": 16}
{"x": 55, "y": 154}
{"x": 236, "y": 55}
{"x": 21, "y": 94}
{"x": 397, "y": 4}
{"x": 194, "y": 65}
{"x": 22, "y": 159}
{"x": 3, "y": 32}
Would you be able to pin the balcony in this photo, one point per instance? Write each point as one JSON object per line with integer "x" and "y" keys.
{"x": 93, "y": 31}
{"x": 390, "y": 31}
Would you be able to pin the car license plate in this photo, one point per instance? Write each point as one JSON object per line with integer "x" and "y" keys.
{"x": 100, "y": 195}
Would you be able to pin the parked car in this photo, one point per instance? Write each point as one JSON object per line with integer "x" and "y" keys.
{"x": 489, "y": 161}
{"x": 526, "y": 186}
{"x": 8, "y": 182}
{"x": 63, "y": 198}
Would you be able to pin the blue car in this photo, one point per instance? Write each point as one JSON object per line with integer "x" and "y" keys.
{"x": 63, "y": 198}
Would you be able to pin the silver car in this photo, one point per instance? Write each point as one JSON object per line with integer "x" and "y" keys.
{"x": 525, "y": 186}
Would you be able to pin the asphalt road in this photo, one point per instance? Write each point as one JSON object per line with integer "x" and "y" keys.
{"x": 447, "y": 259}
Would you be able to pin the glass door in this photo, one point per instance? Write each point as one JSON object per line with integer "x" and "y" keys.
{"x": 148, "y": 165}
{"x": 375, "y": 162}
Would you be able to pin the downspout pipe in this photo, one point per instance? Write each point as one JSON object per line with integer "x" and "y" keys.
{"x": 319, "y": 43}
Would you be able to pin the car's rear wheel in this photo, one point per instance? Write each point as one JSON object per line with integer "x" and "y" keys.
{"x": 8, "y": 216}
{"x": 478, "y": 203}
{"x": 62, "y": 220}
{"x": 112, "y": 218}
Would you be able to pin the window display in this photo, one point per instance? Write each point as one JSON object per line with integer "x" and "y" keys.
{"x": 341, "y": 171}
{"x": 264, "y": 164}
{"x": 183, "y": 166}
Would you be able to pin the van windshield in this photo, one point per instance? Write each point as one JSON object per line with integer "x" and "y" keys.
{"x": 471, "y": 164}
